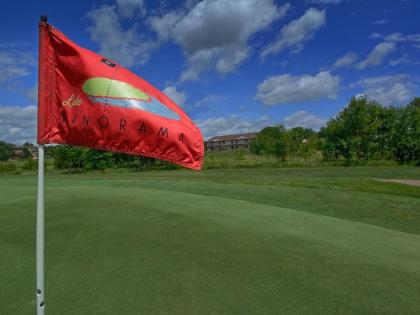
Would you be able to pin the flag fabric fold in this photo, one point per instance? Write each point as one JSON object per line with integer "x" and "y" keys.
{"x": 85, "y": 99}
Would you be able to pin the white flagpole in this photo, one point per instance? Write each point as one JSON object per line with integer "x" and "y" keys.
{"x": 40, "y": 301}
{"x": 40, "y": 235}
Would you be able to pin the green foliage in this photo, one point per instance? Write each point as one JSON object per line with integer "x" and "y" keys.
{"x": 27, "y": 154}
{"x": 301, "y": 142}
{"x": 240, "y": 154}
{"x": 77, "y": 159}
{"x": 69, "y": 158}
{"x": 29, "y": 165}
{"x": 5, "y": 151}
{"x": 7, "y": 167}
{"x": 365, "y": 130}
{"x": 406, "y": 133}
{"x": 270, "y": 140}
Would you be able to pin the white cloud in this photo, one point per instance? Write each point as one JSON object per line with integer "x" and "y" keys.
{"x": 346, "y": 61}
{"x": 215, "y": 33}
{"x": 399, "y": 37}
{"x": 404, "y": 59}
{"x": 32, "y": 94}
{"x": 377, "y": 55}
{"x": 208, "y": 100}
{"x": 411, "y": 39}
{"x": 327, "y": 1}
{"x": 388, "y": 90}
{"x": 304, "y": 119}
{"x": 15, "y": 62}
{"x": 125, "y": 45}
{"x": 164, "y": 25}
{"x": 375, "y": 35}
{"x": 286, "y": 88}
{"x": 231, "y": 125}
{"x": 130, "y": 8}
{"x": 297, "y": 32}
{"x": 380, "y": 22}
{"x": 178, "y": 97}
{"x": 18, "y": 124}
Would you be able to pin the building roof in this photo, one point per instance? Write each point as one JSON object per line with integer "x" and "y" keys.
{"x": 240, "y": 136}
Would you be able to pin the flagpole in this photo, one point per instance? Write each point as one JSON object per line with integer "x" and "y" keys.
{"x": 40, "y": 234}
{"x": 40, "y": 217}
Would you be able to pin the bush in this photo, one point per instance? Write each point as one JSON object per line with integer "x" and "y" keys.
{"x": 270, "y": 140}
{"x": 29, "y": 165}
{"x": 7, "y": 167}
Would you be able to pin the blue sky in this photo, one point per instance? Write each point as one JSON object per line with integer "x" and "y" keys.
{"x": 234, "y": 66}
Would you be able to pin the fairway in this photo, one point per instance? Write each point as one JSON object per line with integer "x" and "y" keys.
{"x": 250, "y": 241}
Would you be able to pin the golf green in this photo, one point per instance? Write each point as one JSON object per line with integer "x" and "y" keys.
{"x": 257, "y": 241}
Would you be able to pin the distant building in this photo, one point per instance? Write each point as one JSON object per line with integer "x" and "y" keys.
{"x": 230, "y": 142}
{"x": 18, "y": 151}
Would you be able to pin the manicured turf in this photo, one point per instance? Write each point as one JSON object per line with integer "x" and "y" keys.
{"x": 313, "y": 241}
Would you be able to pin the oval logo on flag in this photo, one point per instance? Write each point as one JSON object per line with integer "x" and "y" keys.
{"x": 121, "y": 94}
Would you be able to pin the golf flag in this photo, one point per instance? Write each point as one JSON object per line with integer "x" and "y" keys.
{"x": 85, "y": 99}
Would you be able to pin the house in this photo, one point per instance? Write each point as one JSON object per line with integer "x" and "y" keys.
{"x": 230, "y": 142}
{"x": 18, "y": 151}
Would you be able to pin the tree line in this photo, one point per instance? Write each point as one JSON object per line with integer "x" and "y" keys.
{"x": 364, "y": 130}
{"x": 74, "y": 159}
{"x": 6, "y": 151}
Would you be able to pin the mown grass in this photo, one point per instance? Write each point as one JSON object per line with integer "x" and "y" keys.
{"x": 233, "y": 241}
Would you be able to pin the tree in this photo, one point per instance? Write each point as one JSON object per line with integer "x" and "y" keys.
{"x": 270, "y": 140}
{"x": 301, "y": 142}
{"x": 27, "y": 154}
{"x": 68, "y": 157}
{"x": 80, "y": 159}
{"x": 406, "y": 133}
{"x": 5, "y": 151}
{"x": 361, "y": 131}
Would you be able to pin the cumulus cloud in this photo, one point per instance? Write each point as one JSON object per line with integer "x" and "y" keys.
{"x": 164, "y": 25}
{"x": 178, "y": 97}
{"x": 125, "y": 45}
{"x": 304, "y": 119}
{"x": 286, "y": 88}
{"x": 404, "y": 59}
{"x": 215, "y": 33}
{"x": 388, "y": 90}
{"x": 346, "y": 61}
{"x": 377, "y": 55}
{"x": 130, "y": 8}
{"x": 297, "y": 32}
{"x": 231, "y": 125}
{"x": 411, "y": 39}
{"x": 15, "y": 62}
{"x": 18, "y": 124}
{"x": 399, "y": 37}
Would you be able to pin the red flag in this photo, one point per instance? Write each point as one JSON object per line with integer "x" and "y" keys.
{"x": 87, "y": 100}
